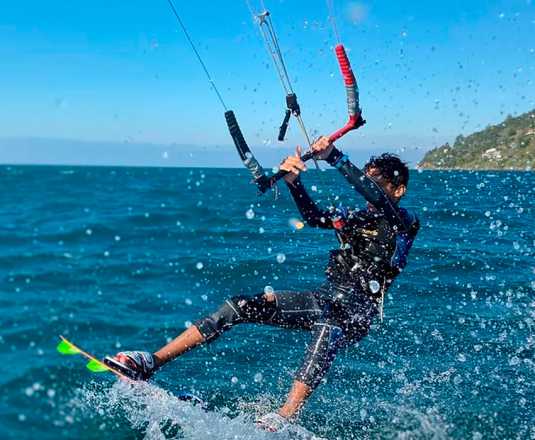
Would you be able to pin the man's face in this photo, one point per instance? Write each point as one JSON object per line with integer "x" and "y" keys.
{"x": 394, "y": 192}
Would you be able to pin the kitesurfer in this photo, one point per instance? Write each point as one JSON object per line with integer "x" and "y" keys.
{"x": 374, "y": 244}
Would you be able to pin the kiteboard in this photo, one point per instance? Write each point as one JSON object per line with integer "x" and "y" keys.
{"x": 95, "y": 365}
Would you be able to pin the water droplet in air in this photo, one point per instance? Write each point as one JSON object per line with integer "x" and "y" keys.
{"x": 249, "y": 214}
{"x": 374, "y": 286}
{"x": 281, "y": 258}
{"x": 296, "y": 224}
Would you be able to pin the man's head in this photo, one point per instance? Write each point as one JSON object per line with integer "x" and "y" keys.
{"x": 390, "y": 173}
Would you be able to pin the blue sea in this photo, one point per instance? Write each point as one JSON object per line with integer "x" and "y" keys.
{"x": 127, "y": 258}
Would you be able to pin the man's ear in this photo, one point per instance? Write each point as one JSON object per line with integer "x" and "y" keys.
{"x": 400, "y": 191}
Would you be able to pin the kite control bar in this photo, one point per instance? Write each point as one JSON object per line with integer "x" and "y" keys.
{"x": 355, "y": 113}
{"x": 251, "y": 163}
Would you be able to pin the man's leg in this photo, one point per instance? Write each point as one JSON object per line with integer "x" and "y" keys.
{"x": 296, "y": 399}
{"x": 327, "y": 338}
{"x": 336, "y": 327}
{"x": 187, "y": 340}
{"x": 286, "y": 309}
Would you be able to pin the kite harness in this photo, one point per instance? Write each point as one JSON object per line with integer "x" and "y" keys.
{"x": 260, "y": 178}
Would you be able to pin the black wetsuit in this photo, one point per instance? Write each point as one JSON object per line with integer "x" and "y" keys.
{"x": 374, "y": 244}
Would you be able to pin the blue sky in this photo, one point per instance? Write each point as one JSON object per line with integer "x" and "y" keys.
{"x": 122, "y": 71}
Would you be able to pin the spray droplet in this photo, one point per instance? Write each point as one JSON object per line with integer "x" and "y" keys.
{"x": 296, "y": 224}
{"x": 374, "y": 286}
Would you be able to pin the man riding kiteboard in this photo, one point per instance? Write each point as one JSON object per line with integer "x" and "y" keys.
{"x": 374, "y": 244}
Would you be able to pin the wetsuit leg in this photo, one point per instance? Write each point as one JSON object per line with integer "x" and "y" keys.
{"x": 285, "y": 309}
{"x": 338, "y": 326}
{"x": 327, "y": 337}
{"x": 296, "y": 310}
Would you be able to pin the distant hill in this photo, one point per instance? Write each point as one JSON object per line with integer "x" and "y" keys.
{"x": 506, "y": 146}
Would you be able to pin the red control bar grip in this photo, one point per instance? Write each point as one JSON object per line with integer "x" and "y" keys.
{"x": 355, "y": 113}
{"x": 345, "y": 65}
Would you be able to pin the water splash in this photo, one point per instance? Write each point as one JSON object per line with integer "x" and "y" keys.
{"x": 157, "y": 414}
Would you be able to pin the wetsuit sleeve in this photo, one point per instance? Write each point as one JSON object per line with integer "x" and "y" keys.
{"x": 314, "y": 216}
{"x": 365, "y": 186}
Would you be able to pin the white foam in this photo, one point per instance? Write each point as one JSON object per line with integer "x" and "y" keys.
{"x": 160, "y": 415}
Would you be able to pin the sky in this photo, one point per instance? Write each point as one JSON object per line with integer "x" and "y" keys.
{"x": 121, "y": 74}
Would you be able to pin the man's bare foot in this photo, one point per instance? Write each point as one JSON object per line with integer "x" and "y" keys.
{"x": 272, "y": 422}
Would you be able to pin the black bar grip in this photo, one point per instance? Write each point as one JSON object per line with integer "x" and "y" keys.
{"x": 284, "y": 126}
{"x": 236, "y": 134}
{"x": 281, "y": 173}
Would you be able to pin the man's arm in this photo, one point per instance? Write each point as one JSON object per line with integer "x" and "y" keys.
{"x": 369, "y": 189}
{"x": 310, "y": 212}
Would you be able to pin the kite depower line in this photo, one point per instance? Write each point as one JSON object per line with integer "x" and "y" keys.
{"x": 271, "y": 42}
{"x": 260, "y": 178}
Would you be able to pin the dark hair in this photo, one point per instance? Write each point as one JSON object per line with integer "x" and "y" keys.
{"x": 392, "y": 168}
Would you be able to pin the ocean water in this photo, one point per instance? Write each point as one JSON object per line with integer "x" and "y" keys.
{"x": 126, "y": 258}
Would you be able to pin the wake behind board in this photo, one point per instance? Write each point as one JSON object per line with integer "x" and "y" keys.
{"x": 66, "y": 347}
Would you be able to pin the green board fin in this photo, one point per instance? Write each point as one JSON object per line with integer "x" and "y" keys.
{"x": 96, "y": 366}
{"x": 65, "y": 348}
